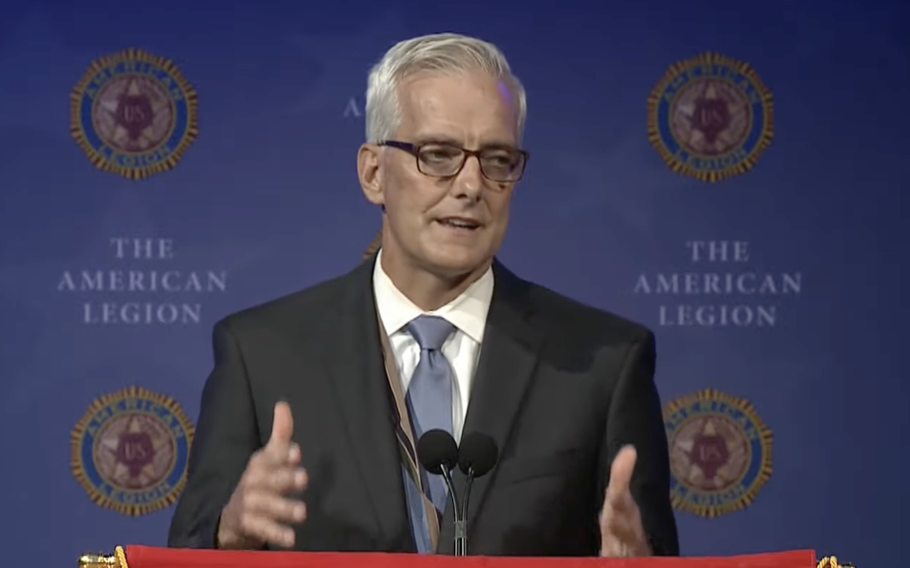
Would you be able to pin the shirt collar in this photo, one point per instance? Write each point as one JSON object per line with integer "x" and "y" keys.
{"x": 467, "y": 312}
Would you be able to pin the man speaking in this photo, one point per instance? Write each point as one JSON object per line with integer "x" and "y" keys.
{"x": 308, "y": 420}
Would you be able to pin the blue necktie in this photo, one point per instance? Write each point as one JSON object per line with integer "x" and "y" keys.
{"x": 429, "y": 395}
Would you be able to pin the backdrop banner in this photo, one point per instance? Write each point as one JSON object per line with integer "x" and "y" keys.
{"x": 733, "y": 179}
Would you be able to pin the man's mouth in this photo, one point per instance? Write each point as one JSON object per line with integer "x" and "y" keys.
{"x": 460, "y": 223}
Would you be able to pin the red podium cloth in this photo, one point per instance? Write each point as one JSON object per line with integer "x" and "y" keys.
{"x": 152, "y": 557}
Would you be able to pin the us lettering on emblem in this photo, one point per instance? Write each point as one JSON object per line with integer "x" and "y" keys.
{"x": 710, "y": 117}
{"x": 133, "y": 114}
{"x": 720, "y": 453}
{"x": 130, "y": 451}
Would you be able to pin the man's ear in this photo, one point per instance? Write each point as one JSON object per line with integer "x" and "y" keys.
{"x": 369, "y": 172}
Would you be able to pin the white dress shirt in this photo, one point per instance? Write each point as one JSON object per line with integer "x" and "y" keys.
{"x": 467, "y": 312}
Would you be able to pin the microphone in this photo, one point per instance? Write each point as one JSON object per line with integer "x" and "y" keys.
{"x": 438, "y": 454}
{"x": 476, "y": 458}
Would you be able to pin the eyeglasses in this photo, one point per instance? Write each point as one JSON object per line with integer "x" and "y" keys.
{"x": 499, "y": 164}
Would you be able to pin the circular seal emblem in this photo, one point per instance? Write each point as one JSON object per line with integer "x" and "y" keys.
{"x": 133, "y": 114}
{"x": 720, "y": 453}
{"x": 710, "y": 117}
{"x": 130, "y": 451}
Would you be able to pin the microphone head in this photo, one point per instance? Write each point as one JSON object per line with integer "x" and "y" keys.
{"x": 478, "y": 454}
{"x": 436, "y": 450}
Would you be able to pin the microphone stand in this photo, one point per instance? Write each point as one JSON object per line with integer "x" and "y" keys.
{"x": 461, "y": 535}
{"x": 461, "y": 529}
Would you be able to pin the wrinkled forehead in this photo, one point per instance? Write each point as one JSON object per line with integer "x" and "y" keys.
{"x": 469, "y": 105}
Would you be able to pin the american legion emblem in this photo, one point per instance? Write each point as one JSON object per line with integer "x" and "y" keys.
{"x": 130, "y": 451}
{"x": 710, "y": 117}
{"x": 133, "y": 114}
{"x": 720, "y": 453}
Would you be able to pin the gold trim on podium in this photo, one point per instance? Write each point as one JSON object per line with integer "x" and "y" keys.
{"x": 99, "y": 560}
{"x": 831, "y": 562}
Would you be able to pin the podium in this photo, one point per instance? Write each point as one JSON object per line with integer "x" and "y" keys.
{"x": 155, "y": 557}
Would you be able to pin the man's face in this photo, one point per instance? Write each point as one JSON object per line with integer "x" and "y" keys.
{"x": 449, "y": 226}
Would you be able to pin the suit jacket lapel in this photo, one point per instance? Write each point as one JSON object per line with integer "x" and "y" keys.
{"x": 508, "y": 359}
{"x": 361, "y": 388}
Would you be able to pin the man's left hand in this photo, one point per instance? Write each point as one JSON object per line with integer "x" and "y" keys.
{"x": 621, "y": 532}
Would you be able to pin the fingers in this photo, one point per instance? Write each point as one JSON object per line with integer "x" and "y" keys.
{"x": 274, "y": 508}
{"x": 621, "y": 531}
{"x": 621, "y": 473}
{"x": 265, "y": 530}
{"x": 256, "y": 517}
{"x": 282, "y": 426}
{"x": 274, "y": 469}
{"x": 620, "y": 524}
{"x": 277, "y": 480}
{"x": 280, "y": 450}
{"x": 271, "y": 458}
{"x": 260, "y": 510}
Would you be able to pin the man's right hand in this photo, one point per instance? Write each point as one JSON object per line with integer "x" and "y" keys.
{"x": 259, "y": 512}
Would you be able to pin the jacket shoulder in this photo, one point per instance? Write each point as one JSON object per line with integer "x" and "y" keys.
{"x": 309, "y": 304}
{"x": 572, "y": 316}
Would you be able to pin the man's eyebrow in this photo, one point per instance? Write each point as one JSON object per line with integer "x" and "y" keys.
{"x": 448, "y": 140}
{"x": 436, "y": 139}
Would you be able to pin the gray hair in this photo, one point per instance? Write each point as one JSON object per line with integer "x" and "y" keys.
{"x": 437, "y": 53}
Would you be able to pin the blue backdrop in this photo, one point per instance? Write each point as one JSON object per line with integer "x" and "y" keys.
{"x": 779, "y": 287}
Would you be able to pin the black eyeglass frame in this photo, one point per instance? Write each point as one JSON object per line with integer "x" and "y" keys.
{"x": 414, "y": 150}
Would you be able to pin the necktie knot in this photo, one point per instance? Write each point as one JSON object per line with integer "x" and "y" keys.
{"x": 430, "y": 332}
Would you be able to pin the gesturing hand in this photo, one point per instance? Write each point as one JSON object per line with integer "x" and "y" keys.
{"x": 621, "y": 532}
{"x": 259, "y": 511}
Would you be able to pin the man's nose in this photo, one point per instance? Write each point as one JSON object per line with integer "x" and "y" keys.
{"x": 469, "y": 181}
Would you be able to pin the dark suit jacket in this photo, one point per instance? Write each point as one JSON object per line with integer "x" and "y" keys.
{"x": 560, "y": 387}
